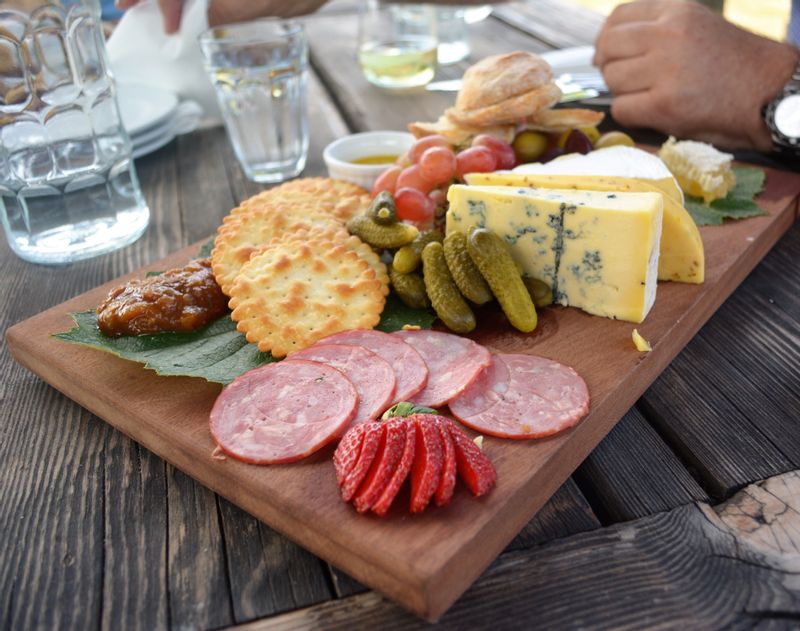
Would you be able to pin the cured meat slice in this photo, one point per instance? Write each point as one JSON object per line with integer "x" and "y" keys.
{"x": 474, "y": 467}
{"x": 372, "y": 376}
{"x": 381, "y": 507}
{"x": 410, "y": 369}
{"x": 535, "y": 397}
{"x": 383, "y": 466}
{"x": 447, "y": 484}
{"x": 282, "y": 412}
{"x": 483, "y": 393}
{"x": 346, "y": 454}
{"x": 427, "y": 469}
{"x": 373, "y": 437}
{"x": 454, "y": 362}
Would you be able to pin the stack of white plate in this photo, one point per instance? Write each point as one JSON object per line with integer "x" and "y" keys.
{"x": 153, "y": 117}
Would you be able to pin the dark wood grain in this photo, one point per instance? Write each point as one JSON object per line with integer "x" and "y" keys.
{"x": 692, "y": 567}
{"x": 633, "y": 473}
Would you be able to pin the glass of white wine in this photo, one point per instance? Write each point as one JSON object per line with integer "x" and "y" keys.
{"x": 397, "y": 46}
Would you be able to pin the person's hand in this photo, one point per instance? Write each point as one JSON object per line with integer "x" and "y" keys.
{"x": 679, "y": 68}
{"x": 229, "y": 11}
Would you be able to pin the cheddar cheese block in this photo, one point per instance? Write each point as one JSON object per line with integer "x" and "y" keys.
{"x": 598, "y": 251}
{"x": 681, "y": 257}
{"x": 616, "y": 161}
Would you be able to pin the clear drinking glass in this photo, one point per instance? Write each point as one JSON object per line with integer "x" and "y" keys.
{"x": 397, "y": 44}
{"x": 260, "y": 71}
{"x": 68, "y": 188}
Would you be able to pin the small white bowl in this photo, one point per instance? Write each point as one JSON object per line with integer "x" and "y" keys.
{"x": 340, "y": 153}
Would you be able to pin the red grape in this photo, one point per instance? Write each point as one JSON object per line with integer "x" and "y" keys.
{"x": 506, "y": 158}
{"x": 551, "y": 154}
{"x": 413, "y": 205}
{"x": 438, "y": 164}
{"x": 578, "y": 142}
{"x": 475, "y": 160}
{"x": 387, "y": 181}
{"x": 411, "y": 177}
{"x": 425, "y": 143}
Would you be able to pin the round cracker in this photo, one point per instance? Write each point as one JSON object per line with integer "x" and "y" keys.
{"x": 237, "y": 239}
{"x": 341, "y": 236}
{"x": 337, "y": 198}
{"x": 291, "y": 295}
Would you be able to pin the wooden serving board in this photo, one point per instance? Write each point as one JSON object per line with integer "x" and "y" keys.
{"x": 423, "y": 562}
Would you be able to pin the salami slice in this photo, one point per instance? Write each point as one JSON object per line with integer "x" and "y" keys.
{"x": 282, "y": 412}
{"x": 533, "y": 397}
{"x": 454, "y": 362}
{"x": 409, "y": 368}
{"x": 372, "y": 376}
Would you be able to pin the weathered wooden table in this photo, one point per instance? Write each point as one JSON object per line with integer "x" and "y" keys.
{"x": 658, "y": 527}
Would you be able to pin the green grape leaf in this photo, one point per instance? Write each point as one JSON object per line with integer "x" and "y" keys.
{"x": 738, "y": 204}
{"x": 216, "y": 353}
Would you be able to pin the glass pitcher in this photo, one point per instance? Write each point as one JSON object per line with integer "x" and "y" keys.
{"x": 68, "y": 187}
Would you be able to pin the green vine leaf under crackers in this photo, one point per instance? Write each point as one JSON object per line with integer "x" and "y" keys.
{"x": 217, "y": 353}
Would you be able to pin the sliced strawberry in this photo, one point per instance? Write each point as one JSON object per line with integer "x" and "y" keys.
{"x": 447, "y": 484}
{"x": 427, "y": 469}
{"x": 346, "y": 454}
{"x": 384, "y": 502}
{"x": 384, "y": 464}
{"x": 474, "y": 467}
{"x": 373, "y": 437}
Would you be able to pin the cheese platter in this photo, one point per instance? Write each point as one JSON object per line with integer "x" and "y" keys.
{"x": 606, "y": 331}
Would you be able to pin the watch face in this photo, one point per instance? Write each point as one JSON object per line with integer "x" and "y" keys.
{"x": 787, "y": 116}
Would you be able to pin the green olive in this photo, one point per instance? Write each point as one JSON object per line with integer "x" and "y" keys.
{"x": 529, "y": 146}
{"x": 613, "y": 139}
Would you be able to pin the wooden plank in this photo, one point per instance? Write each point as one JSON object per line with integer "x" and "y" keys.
{"x": 135, "y": 591}
{"x": 632, "y": 473}
{"x": 730, "y": 401}
{"x": 268, "y": 573}
{"x": 695, "y": 567}
{"x": 420, "y": 561}
{"x": 567, "y": 24}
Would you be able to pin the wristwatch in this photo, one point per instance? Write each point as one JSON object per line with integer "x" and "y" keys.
{"x": 782, "y": 116}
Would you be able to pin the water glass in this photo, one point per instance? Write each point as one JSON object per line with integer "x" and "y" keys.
{"x": 397, "y": 44}
{"x": 260, "y": 72}
{"x": 68, "y": 187}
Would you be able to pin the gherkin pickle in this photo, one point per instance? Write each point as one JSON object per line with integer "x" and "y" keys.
{"x": 382, "y": 210}
{"x": 493, "y": 258}
{"x": 447, "y": 301}
{"x": 394, "y": 236}
{"x": 466, "y": 275}
{"x": 408, "y": 258}
{"x": 410, "y": 288}
{"x": 541, "y": 293}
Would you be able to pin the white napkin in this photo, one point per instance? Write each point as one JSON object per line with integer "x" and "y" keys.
{"x": 141, "y": 53}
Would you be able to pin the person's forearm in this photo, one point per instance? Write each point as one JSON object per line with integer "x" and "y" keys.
{"x": 227, "y": 12}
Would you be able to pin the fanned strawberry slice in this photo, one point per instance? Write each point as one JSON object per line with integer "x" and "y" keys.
{"x": 473, "y": 466}
{"x": 373, "y": 437}
{"x": 381, "y": 507}
{"x": 447, "y": 483}
{"x": 427, "y": 469}
{"x": 346, "y": 454}
{"x": 384, "y": 464}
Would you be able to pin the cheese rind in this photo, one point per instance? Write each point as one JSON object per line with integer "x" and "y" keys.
{"x": 681, "y": 257}
{"x": 616, "y": 161}
{"x": 598, "y": 251}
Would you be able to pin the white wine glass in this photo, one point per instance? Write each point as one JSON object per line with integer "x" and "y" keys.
{"x": 397, "y": 44}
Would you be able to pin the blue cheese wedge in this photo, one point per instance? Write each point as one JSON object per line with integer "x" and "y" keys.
{"x": 597, "y": 250}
